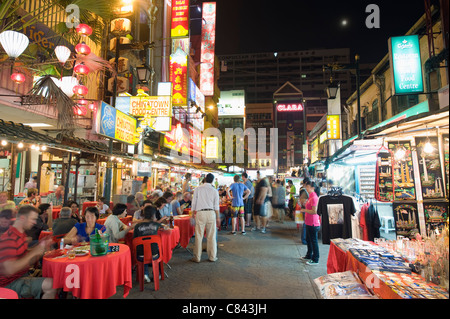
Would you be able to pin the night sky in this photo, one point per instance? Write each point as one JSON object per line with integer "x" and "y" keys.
{"x": 250, "y": 26}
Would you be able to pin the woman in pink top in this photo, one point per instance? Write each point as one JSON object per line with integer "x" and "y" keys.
{"x": 312, "y": 224}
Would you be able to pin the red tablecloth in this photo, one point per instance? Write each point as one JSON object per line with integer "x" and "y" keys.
{"x": 6, "y": 293}
{"x": 91, "y": 277}
{"x": 169, "y": 240}
{"x": 125, "y": 220}
{"x": 337, "y": 259}
{"x": 187, "y": 230}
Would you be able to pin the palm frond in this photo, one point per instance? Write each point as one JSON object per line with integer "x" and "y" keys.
{"x": 46, "y": 92}
{"x": 95, "y": 63}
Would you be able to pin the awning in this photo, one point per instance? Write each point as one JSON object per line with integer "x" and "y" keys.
{"x": 416, "y": 125}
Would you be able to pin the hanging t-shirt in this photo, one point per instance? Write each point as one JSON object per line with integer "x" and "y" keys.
{"x": 336, "y": 212}
{"x": 362, "y": 221}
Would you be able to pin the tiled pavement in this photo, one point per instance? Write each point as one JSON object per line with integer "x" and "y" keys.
{"x": 254, "y": 266}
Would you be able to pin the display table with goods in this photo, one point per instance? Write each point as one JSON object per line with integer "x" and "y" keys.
{"x": 391, "y": 269}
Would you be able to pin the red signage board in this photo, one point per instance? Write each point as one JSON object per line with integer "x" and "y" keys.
{"x": 180, "y": 18}
{"x": 208, "y": 48}
{"x": 179, "y": 77}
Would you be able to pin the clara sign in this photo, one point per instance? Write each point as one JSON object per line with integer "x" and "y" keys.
{"x": 406, "y": 65}
{"x": 289, "y": 107}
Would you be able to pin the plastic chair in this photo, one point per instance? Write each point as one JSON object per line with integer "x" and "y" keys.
{"x": 56, "y": 239}
{"x": 86, "y": 205}
{"x": 157, "y": 265}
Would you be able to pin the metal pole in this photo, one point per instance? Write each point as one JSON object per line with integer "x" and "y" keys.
{"x": 358, "y": 95}
{"x": 66, "y": 186}
{"x": 108, "y": 177}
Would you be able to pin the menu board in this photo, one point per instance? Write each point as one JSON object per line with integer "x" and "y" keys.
{"x": 402, "y": 169}
{"x": 436, "y": 215}
{"x": 384, "y": 186}
{"x": 430, "y": 167}
{"x": 406, "y": 219}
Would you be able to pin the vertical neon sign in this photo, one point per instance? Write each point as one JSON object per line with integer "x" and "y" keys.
{"x": 207, "y": 49}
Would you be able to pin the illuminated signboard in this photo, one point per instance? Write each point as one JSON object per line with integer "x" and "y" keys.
{"x": 323, "y": 137}
{"x": 180, "y": 18}
{"x": 231, "y": 103}
{"x": 195, "y": 95}
{"x": 139, "y": 106}
{"x": 177, "y": 140}
{"x": 195, "y": 142}
{"x": 178, "y": 77}
{"x": 289, "y": 107}
{"x": 207, "y": 48}
{"x": 315, "y": 150}
{"x": 333, "y": 127}
{"x": 406, "y": 65}
{"x": 212, "y": 147}
{"x": 116, "y": 124}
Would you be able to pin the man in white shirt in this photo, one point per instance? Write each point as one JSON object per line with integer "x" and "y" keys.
{"x": 205, "y": 209}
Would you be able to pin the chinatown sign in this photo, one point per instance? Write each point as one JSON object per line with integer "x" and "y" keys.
{"x": 180, "y": 18}
{"x": 178, "y": 77}
{"x": 141, "y": 106}
{"x": 405, "y": 64}
{"x": 207, "y": 48}
{"x": 289, "y": 107}
{"x": 116, "y": 124}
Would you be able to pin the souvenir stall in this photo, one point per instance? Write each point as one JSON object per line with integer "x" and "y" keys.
{"x": 409, "y": 257}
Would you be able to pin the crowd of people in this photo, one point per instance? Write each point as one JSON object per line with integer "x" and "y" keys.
{"x": 247, "y": 203}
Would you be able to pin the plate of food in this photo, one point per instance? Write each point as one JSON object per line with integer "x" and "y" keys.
{"x": 55, "y": 253}
{"x": 79, "y": 253}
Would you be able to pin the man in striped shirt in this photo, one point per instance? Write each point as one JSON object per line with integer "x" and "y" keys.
{"x": 16, "y": 258}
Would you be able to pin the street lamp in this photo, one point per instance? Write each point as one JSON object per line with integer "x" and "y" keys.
{"x": 143, "y": 74}
{"x": 332, "y": 90}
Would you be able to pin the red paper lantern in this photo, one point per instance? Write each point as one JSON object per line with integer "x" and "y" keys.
{"x": 80, "y": 90}
{"x": 82, "y": 48}
{"x": 83, "y": 29}
{"x": 81, "y": 69}
{"x": 92, "y": 106}
{"x": 79, "y": 110}
{"x": 82, "y": 102}
{"x": 18, "y": 77}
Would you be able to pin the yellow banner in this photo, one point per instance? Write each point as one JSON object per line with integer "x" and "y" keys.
{"x": 125, "y": 128}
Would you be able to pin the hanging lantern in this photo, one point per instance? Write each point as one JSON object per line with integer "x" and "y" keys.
{"x": 18, "y": 77}
{"x": 14, "y": 43}
{"x": 79, "y": 110}
{"x": 67, "y": 84}
{"x": 62, "y": 53}
{"x": 91, "y": 106}
{"x": 82, "y": 102}
{"x": 80, "y": 90}
{"x": 84, "y": 30}
{"x": 81, "y": 69}
{"x": 82, "y": 48}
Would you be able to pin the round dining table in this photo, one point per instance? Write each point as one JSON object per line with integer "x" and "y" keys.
{"x": 169, "y": 240}
{"x": 6, "y": 293}
{"x": 187, "y": 228}
{"x": 91, "y": 277}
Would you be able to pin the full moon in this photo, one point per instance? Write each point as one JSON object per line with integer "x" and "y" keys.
{"x": 344, "y": 22}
